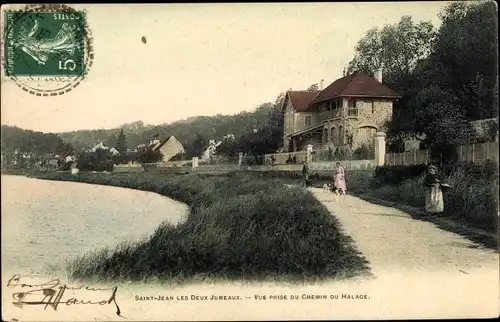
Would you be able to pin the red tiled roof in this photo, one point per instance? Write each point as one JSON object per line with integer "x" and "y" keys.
{"x": 301, "y": 99}
{"x": 355, "y": 84}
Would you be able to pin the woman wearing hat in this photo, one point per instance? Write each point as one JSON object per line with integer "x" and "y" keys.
{"x": 433, "y": 195}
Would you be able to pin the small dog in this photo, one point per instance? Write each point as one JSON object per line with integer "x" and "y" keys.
{"x": 338, "y": 191}
{"x": 327, "y": 186}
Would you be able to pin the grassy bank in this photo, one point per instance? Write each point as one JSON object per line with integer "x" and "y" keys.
{"x": 239, "y": 227}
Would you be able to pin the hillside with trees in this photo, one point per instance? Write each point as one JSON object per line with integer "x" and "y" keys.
{"x": 194, "y": 133}
{"x": 27, "y": 141}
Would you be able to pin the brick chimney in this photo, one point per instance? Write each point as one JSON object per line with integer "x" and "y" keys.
{"x": 378, "y": 74}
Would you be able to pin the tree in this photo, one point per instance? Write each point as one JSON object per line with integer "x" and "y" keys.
{"x": 196, "y": 148}
{"x": 100, "y": 160}
{"x": 111, "y": 141}
{"x": 443, "y": 123}
{"x": 228, "y": 147}
{"x": 398, "y": 48}
{"x": 313, "y": 88}
{"x": 121, "y": 144}
{"x": 150, "y": 156}
{"x": 269, "y": 136}
{"x": 465, "y": 56}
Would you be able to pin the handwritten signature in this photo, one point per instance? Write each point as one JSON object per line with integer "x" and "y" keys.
{"x": 51, "y": 294}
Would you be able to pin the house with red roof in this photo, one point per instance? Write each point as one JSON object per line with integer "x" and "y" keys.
{"x": 348, "y": 112}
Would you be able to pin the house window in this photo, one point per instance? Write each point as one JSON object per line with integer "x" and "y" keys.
{"x": 373, "y": 106}
{"x": 325, "y": 136}
{"x": 351, "y": 108}
{"x": 308, "y": 120}
{"x": 332, "y": 135}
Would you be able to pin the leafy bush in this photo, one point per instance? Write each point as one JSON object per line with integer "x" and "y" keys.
{"x": 100, "y": 160}
{"x": 364, "y": 152}
{"x": 150, "y": 156}
{"x": 396, "y": 174}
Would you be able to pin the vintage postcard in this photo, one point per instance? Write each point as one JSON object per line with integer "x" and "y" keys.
{"x": 249, "y": 161}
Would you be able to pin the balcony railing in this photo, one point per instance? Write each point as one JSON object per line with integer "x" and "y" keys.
{"x": 352, "y": 111}
{"x": 331, "y": 114}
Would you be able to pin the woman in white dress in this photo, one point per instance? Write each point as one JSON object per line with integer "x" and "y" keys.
{"x": 434, "y": 203}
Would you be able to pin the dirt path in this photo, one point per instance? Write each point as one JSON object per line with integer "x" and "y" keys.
{"x": 394, "y": 242}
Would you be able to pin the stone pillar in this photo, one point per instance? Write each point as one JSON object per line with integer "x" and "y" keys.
{"x": 309, "y": 153}
{"x": 379, "y": 142}
{"x": 240, "y": 158}
{"x": 195, "y": 163}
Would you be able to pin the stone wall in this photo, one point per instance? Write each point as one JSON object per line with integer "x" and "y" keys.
{"x": 334, "y": 132}
{"x": 371, "y": 119}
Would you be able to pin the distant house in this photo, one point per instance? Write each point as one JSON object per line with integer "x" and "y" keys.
{"x": 49, "y": 162}
{"x": 153, "y": 144}
{"x": 210, "y": 150}
{"x": 98, "y": 146}
{"x": 69, "y": 158}
{"x": 114, "y": 151}
{"x": 169, "y": 148}
{"x": 229, "y": 136}
{"x": 101, "y": 146}
{"x": 348, "y": 112}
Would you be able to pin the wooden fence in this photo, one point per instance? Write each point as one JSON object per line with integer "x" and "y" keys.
{"x": 476, "y": 153}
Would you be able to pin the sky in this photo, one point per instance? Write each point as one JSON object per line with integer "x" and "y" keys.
{"x": 203, "y": 59}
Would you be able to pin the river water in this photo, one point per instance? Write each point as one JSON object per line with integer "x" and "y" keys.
{"x": 44, "y": 223}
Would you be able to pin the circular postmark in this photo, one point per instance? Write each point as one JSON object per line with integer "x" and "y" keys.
{"x": 48, "y": 49}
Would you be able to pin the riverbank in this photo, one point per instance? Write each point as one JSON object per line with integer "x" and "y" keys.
{"x": 239, "y": 227}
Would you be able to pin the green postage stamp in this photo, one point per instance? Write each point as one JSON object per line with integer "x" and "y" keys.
{"x": 47, "y": 48}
